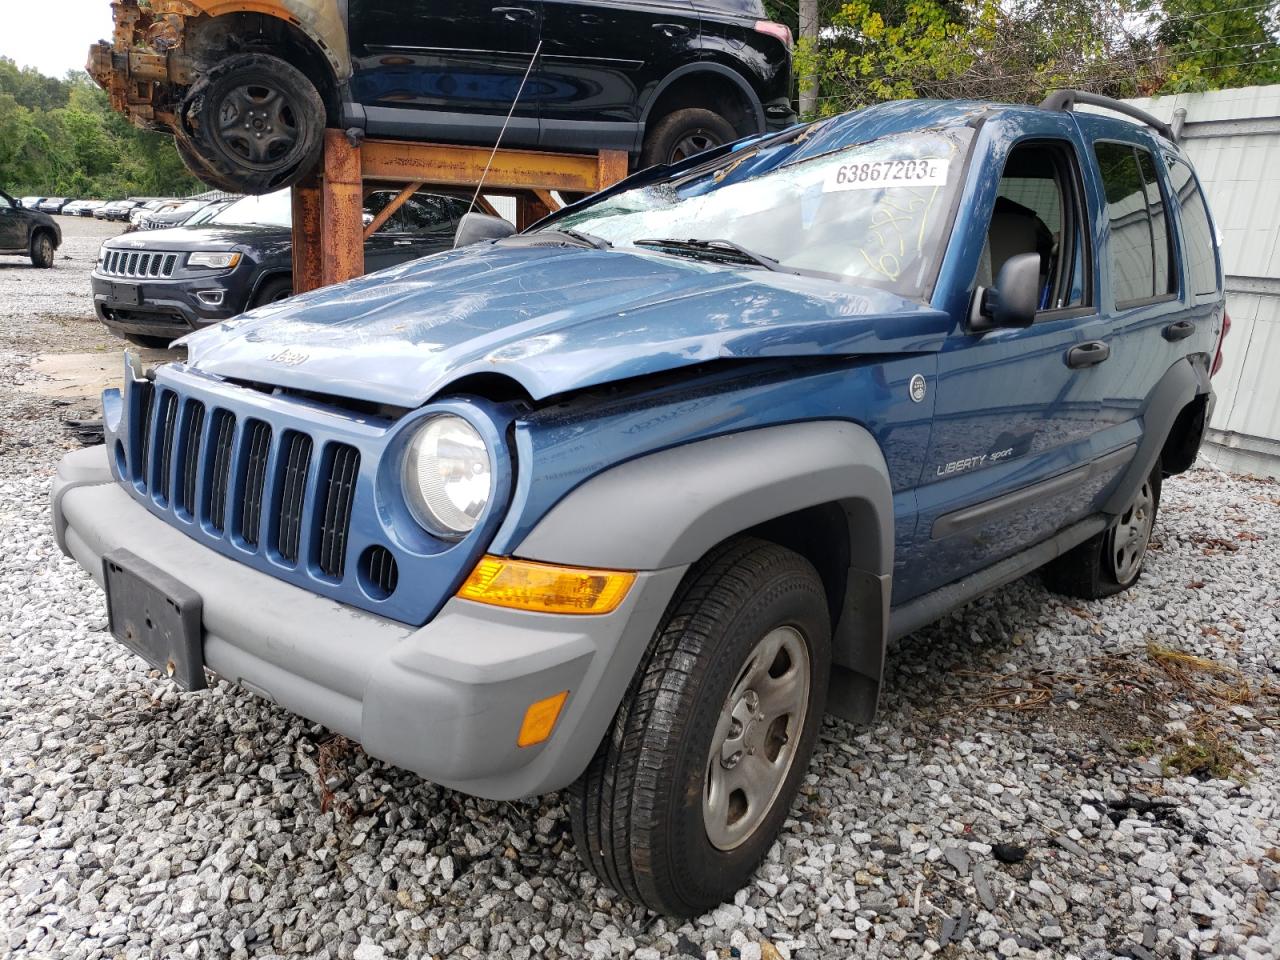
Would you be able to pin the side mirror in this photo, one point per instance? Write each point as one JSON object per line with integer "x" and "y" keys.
{"x": 1014, "y": 299}
{"x": 474, "y": 227}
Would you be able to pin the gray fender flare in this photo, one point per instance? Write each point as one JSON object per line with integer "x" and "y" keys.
{"x": 669, "y": 508}
{"x": 1180, "y": 385}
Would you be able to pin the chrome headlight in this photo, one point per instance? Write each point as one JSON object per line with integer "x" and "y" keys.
{"x": 447, "y": 475}
{"x": 217, "y": 261}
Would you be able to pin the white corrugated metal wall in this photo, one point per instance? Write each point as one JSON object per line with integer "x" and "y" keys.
{"x": 1233, "y": 138}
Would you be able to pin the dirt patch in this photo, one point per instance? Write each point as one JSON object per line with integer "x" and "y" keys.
{"x": 73, "y": 375}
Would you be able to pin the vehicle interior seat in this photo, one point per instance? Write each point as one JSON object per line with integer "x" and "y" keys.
{"x": 1014, "y": 229}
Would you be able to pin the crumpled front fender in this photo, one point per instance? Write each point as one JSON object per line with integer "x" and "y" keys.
{"x": 150, "y": 57}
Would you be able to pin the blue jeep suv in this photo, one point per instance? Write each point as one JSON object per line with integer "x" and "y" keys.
{"x": 622, "y": 504}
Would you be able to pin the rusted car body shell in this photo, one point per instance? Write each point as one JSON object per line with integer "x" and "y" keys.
{"x": 152, "y": 52}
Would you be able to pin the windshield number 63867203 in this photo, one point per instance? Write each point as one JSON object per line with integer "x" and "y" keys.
{"x": 926, "y": 172}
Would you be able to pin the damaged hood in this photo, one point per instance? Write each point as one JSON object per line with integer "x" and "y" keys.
{"x": 553, "y": 318}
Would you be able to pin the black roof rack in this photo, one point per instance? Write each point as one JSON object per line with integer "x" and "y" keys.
{"x": 1067, "y": 100}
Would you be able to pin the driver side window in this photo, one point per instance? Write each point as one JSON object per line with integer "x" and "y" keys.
{"x": 1038, "y": 211}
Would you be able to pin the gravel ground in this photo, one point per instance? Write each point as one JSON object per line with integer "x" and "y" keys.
{"x": 1046, "y": 779}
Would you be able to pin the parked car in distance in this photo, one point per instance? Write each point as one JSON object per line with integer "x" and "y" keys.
{"x": 30, "y": 203}
{"x": 117, "y": 210}
{"x": 53, "y": 205}
{"x": 623, "y": 504}
{"x": 82, "y": 208}
{"x": 27, "y": 233}
{"x": 209, "y": 211}
{"x": 256, "y": 89}
{"x": 150, "y": 206}
{"x": 153, "y": 286}
{"x": 171, "y": 215}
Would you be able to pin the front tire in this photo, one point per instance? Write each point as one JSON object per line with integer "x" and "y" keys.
{"x": 1110, "y": 562}
{"x": 256, "y": 124}
{"x": 273, "y": 291}
{"x": 691, "y": 785}
{"x": 42, "y": 250}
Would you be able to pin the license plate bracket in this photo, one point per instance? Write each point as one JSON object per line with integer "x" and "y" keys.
{"x": 127, "y": 293}
{"x": 156, "y": 616}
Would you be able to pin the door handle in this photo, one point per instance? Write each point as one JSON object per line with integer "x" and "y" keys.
{"x": 1179, "y": 330}
{"x": 402, "y": 243}
{"x": 671, "y": 29}
{"x": 514, "y": 14}
{"x": 1088, "y": 354}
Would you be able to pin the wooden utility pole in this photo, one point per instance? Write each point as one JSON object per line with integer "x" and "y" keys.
{"x": 809, "y": 31}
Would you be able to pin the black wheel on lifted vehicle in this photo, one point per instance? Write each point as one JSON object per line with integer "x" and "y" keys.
{"x": 256, "y": 124}
{"x": 1110, "y": 562}
{"x": 682, "y": 134}
{"x": 693, "y": 781}
{"x": 202, "y": 171}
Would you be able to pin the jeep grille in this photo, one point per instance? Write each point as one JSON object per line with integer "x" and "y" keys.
{"x": 131, "y": 263}
{"x": 252, "y": 484}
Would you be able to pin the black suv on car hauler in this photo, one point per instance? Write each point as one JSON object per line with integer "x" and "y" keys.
{"x": 247, "y": 95}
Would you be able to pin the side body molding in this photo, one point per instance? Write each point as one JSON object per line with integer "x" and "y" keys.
{"x": 669, "y": 508}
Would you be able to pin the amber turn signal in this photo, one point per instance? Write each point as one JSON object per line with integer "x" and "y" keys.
{"x": 524, "y": 585}
{"x": 540, "y": 719}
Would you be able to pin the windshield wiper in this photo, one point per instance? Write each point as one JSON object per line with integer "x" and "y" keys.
{"x": 600, "y": 243}
{"x": 568, "y": 233}
{"x": 717, "y": 249}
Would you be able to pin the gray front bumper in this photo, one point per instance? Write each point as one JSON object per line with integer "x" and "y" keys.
{"x": 444, "y": 700}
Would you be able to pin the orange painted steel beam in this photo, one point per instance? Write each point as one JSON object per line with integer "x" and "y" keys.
{"x": 611, "y": 166}
{"x": 342, "y": 227}
{"x": 308, "y": 255}
{"x": 329, "y": 231}
{"x": 547, "y": 200}
{"x": 390, "y": 209}
{"x": 446, "y": 165}
{"x": 529, "y": 210}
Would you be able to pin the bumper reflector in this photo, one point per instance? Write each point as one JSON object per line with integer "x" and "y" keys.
{"x": 540, "y": 719}
{"x": 524, "y": 585}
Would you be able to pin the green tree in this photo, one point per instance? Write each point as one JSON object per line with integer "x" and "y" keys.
{"x": 1212, "y": 45}
{"x": 61, "y": 137}
{"x": 1018, "y": 50}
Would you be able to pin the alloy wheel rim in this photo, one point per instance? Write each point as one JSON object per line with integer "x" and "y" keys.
{"x": 693, "y": 142}
{"x": 258, "y": 124}
{"x": 756, "y": 738}
{"x": 1130, "y": 536}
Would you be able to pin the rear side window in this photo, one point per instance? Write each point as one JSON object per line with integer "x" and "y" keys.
{"x": 1197, "y": 229}
{"x": 1141, "y": 255}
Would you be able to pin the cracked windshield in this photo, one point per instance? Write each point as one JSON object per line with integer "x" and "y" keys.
{"x": 874, "y": 213}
